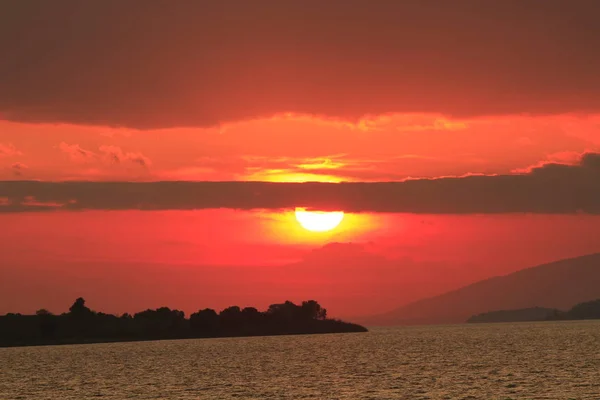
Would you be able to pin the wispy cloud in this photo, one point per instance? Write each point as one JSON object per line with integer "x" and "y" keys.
{"x": 107, "y": 153}
{"x": 76, "y": 152}
{"x": 116, "y": 155}
{"x": 8, "y": 150}
{"x": 18, "y": 169}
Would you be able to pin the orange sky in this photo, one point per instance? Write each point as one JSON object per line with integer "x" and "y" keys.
{"x": 292, "y": 148}
{"x": 125, "y": 260}
{"x": 505, "y": 99}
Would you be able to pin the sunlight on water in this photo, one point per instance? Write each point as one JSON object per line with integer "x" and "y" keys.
{"x": 501, "y": 361}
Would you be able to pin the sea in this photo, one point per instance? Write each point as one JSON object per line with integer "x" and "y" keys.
{"x": 546, "y": 360}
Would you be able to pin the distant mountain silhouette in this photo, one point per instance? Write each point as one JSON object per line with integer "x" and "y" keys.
{"x": 560, "y": 284}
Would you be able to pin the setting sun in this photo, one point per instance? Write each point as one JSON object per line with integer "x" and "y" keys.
{"x": 319, "y": 221}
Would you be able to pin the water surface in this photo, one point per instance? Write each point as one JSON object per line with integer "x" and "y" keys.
{"x": 558, "y": 360}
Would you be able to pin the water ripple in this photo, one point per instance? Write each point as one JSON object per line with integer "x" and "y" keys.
{"x": 498, "y": 361}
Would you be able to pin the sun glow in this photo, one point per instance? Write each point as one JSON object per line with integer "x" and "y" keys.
{"x": 319, "y": 221}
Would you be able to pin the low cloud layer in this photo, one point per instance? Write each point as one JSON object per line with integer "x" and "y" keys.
{"x": 158, "y": 64}
{"x": 550, "y": 188}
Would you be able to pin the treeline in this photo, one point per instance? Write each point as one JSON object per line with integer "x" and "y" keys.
{"x": 581, "y": 311}
{"x": 83, "y": 325}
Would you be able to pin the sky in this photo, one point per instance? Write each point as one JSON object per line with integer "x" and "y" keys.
{"x": 154, "y": 154}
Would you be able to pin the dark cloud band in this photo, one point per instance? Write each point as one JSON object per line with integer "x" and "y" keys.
{"x": 155, "y": 63}
{"x": 551, "y": 188}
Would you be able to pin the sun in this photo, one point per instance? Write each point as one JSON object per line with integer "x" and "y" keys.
{"x": 319, "y": 221}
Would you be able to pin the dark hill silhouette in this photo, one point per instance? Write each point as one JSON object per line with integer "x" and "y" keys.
{"x": 560, "y": 284}
{"x": 520, "y": 315}
{"x": 83, "y": 325}
{"x": 586, "y": 310}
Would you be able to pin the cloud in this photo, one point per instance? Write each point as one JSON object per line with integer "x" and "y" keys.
{"x": 207, "y": 63}
{"x": 550, "y": 188}
{"x": 560, "y": 158}
{"x": 18, "y": 168}
{"x": 108, "y": 154}
{"x": 439, "y": 124}
{"x": 76, "y": 152}
{"x": 116, "y": 155}
{"x": 326, "y": 168}
{"x": 8, "y": 150}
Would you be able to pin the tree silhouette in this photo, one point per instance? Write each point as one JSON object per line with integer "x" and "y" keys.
{"x": 160, "y": 322}
{"x": 286, "y": 311}
{"x": 79, "y": 309}
{"x": 205, "y": 322}
{"x": 230, "y": 319}
{"x": 312, "y": 309}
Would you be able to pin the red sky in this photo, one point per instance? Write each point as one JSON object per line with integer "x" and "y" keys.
{"x": 353, "y": 92}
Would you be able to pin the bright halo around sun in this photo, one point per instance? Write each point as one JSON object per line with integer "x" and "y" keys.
{"x": 319, "y": 221}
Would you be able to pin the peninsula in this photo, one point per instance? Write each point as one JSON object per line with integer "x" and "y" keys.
{"x": 83, "y": 325}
